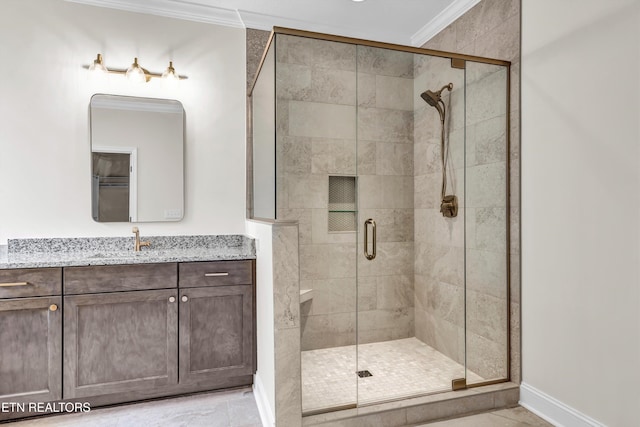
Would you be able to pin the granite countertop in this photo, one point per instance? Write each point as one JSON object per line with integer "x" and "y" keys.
{"x": 60, "y": 252}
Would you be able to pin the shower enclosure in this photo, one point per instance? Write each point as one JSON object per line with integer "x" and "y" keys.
{"x": 399, "y": 297}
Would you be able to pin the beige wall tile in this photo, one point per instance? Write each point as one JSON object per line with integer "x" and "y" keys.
{"x": 303, "y": 216}
{"x": 397, "y": 192}
{"x": 320, "y": 120}
{"x": 486, "y": 185}
{"x": 333, "y": 296}
{"x": 486, "y": 97}
{"x": 286, "y": 290}
{"x": 293, "y": 81}
{"x": 394, "y": 93}
{"x": 427, "y": 191}
{"x": 296, "y": 155}
{"x": 312, "y": 52}
{"x": 392, "y": 225}
{"x": 370, "y": 192}
{"x": 394, "y": 159}
{"x": 366, "y": 90}
{"x": 427, "y": 158}
{"x": 449, "y": 408}
{"x": 491, "y": 229}
{"x": 307, "y": 191}
{"x": 333, "y": 156}
{"x": 376, "y": 124}
{"x": 426, "y": 124}
{"x": 367, "y": 293}
{"x": 395, "y": 292}
{"x": 366, "y": 157}
{"x": 489, "y": 138}
{"x": 288, "y": 395}
{"x": 486, "y": 358}
{"x": 487, "y": 317}
{"x": 487, "y": 272}
{"x": 328, "y": 330}
{"x": 385, "y": 62}
{"x": 501, "y": 43}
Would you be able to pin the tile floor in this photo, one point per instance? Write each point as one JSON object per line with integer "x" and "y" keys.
{"x": 222, "y": 409}
{"x": 236, "y": 409}
{"x": 513, "y": 417}
{"x": 400, "y": 368}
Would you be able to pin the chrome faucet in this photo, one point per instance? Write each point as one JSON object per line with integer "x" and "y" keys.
{"x": 138, "y": 243}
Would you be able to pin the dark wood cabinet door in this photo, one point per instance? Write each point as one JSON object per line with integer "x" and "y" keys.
{"x": 216, "y": 333}
{"x": 120, "y": 342}
{"x": 30, "y": 349}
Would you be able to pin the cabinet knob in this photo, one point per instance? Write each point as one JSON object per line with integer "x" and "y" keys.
{"x": 53, "y": 307}
{"x": 172, "y": 299}
{"x": 185, "y": 298}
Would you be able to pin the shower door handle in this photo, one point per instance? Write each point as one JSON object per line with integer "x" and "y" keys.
{"x": 368, "y": 255}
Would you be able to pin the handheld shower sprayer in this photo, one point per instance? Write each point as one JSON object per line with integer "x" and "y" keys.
{"x": 435, "y": 99}
{"x": 449, "y": 203}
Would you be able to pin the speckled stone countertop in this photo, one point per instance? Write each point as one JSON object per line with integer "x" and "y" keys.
{"x": 60, "y": 252}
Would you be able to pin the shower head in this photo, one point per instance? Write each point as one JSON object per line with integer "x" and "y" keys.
{"x": 435, "y": 98}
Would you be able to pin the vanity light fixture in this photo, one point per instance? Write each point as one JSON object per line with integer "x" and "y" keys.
{"x": 135, "y": 72}
{"x": 98, "y": 66}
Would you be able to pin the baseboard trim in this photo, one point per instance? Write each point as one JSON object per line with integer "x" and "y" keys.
{"x": 266, "y": 415}
{"x": 552, "y": 410}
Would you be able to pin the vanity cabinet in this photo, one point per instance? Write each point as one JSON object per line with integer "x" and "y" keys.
{"x": 127, "y": 332}
{"x": 131, "y": 332}
{"x": 216, "y": 321}
{"x": 120, "y": 342}
{"x": 120, "y": 329}
{"x": 30, "y": 335}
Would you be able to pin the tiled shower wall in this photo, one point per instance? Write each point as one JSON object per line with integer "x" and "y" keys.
{"x": 385, "y": 183}
{"x": 491, "y": 29}
{"x": 317, "y": 93}
{"x": 439, "y": 242}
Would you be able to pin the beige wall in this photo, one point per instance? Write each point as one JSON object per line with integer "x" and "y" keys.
{"x": 45, "y": 122}
{"x": 581, "y": 267}
{"x": 491, "y": 29}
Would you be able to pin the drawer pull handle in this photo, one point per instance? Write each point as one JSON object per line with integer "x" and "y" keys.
{"x": 172, "y": 299}
{"x": 53, "y": 307}
{"x": 215, "y": 274}
{"x": 185, "y": 298}
{"x": 6, "y": 285}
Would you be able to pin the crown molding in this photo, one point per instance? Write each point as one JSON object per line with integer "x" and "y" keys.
{"x": 260, "y": 21}
{"x": 172, "y": 9}
{"x": 454, "y": 11}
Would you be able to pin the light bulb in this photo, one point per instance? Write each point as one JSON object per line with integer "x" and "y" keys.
{"x": 170, "y": 73}
{"x": 135, "y": 73}
{"x": 98, "y": 67}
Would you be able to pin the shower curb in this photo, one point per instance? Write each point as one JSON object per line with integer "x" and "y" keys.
{"x": 433, "y": 407}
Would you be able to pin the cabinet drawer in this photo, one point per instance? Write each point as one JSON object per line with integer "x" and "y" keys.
{"x": 216, "y": 273}
{"x": 30, "y": 282}
{"x": 114, "y": 278}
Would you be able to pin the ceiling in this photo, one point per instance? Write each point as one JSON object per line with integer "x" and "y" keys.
{"x": 407, "y": 22}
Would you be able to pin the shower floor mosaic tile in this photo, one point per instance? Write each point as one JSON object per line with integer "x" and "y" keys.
{"x": 400, "y": 368}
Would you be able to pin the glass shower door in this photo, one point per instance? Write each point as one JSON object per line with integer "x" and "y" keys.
{"x": 410, "y": 317}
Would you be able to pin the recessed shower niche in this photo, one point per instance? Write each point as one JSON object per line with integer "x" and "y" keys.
{"x": 360, "y": 137}
{"x": 342, "y": 203}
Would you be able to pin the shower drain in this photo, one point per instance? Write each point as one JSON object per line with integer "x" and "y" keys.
{"x": 364, "y": 374}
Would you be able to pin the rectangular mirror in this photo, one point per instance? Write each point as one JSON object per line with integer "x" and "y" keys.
{"x": 137, "y": 155}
